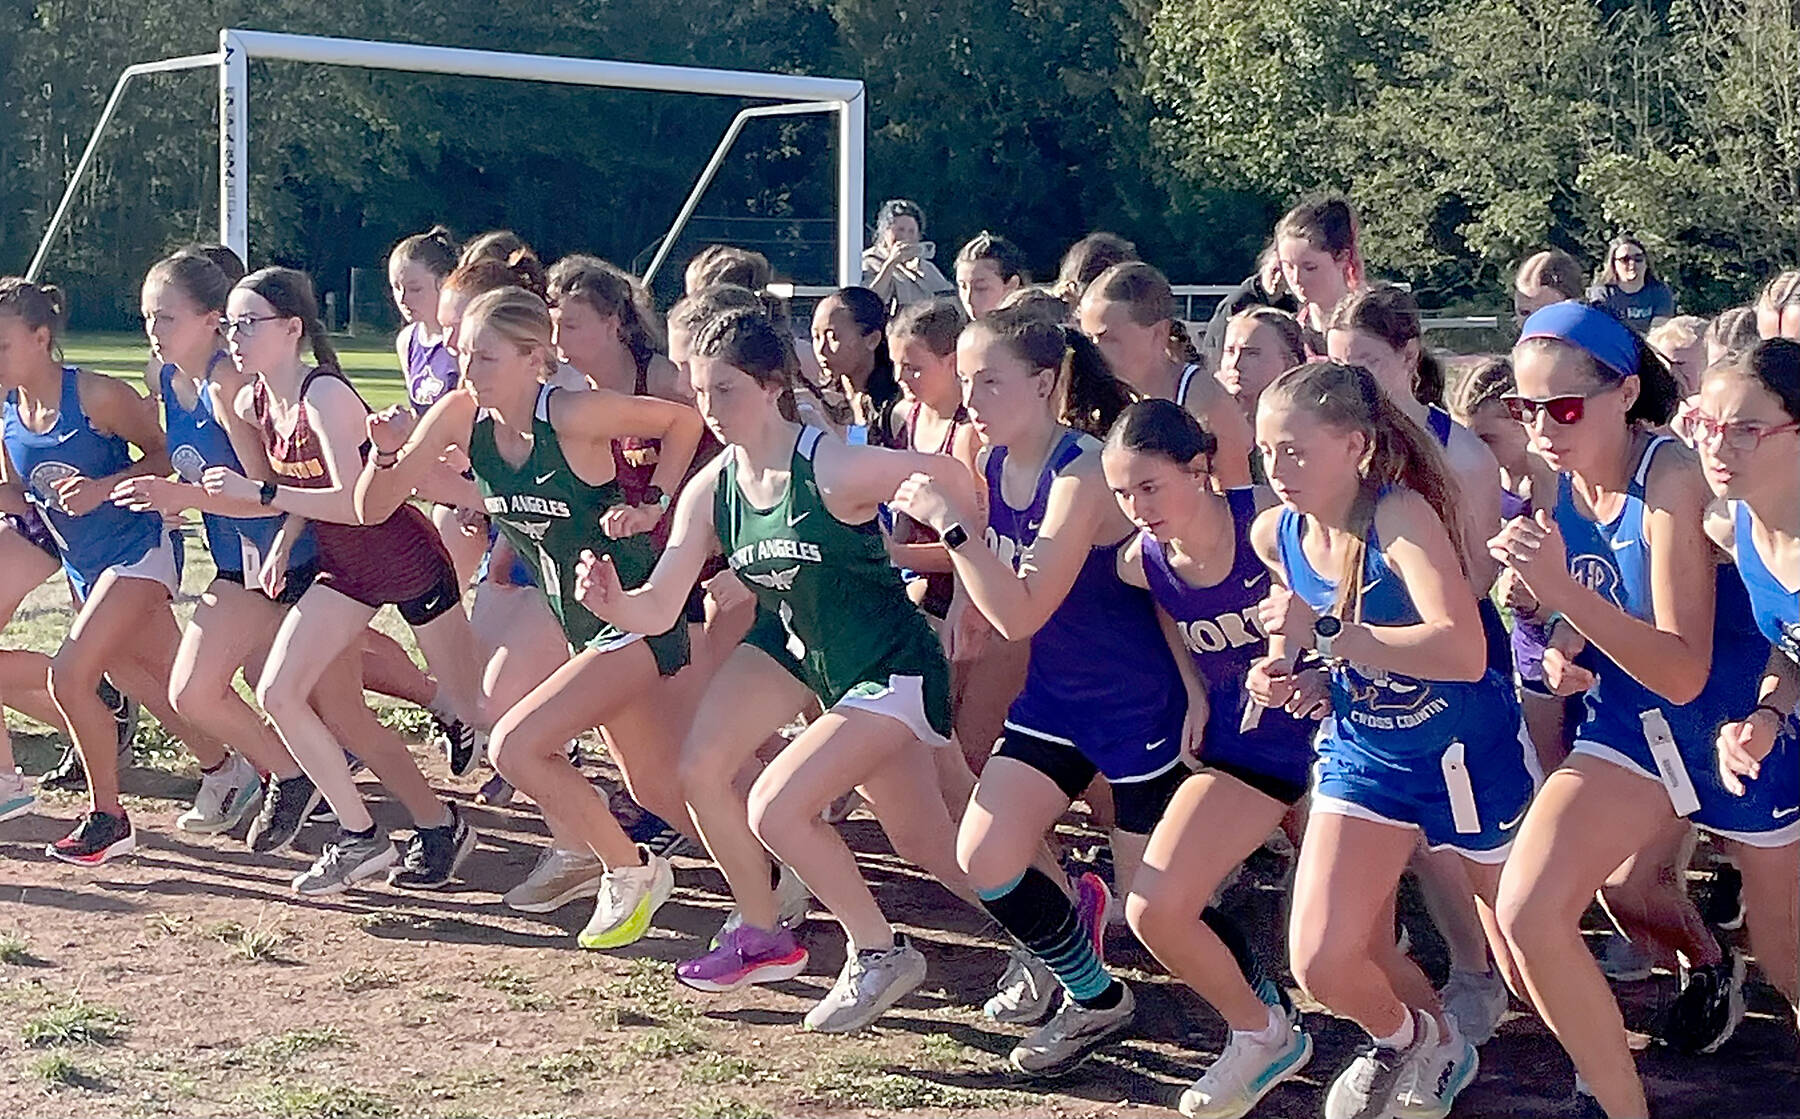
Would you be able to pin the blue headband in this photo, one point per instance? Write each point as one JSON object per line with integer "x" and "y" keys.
{"x": 1604, "y": 338}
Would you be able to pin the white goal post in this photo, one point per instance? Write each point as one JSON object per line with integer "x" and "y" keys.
{"x": 793, "y": 94}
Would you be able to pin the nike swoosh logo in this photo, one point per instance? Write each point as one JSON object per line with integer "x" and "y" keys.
{"x": 542, "y": 478}
{"x": 1514, "y": 822}
{"x": 1621, "y": 545}
{"x": 1152, "y": 748}
{"x": 1780, "y": 813}
{"x": 65, "y": 437}
{"x": 1033, "y": 526}
{"x": 793, "y": 520}
{"x": 1255, "y": 579}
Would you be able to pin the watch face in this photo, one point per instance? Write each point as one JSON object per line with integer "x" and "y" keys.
{"x": 1328, "y": 626}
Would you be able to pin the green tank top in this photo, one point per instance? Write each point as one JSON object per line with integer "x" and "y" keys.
{"x": 549, "y": 515}
{"x": 839, "y": 600}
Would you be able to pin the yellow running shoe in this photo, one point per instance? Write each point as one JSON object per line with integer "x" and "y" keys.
{"x": 629, "y": 898}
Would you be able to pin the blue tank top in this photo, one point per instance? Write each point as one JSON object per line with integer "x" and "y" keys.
{"x": 1219, "y": 627}
{"x": 1076, "y": 683}
{"x": 198, "y": 439}
{"x": 109, "y": 535}
{"x": 1775, "y": 608}
{"x": 430, "y": 370}
{"x": 1392, "y": 717}
{"x": 1613, "y": 560}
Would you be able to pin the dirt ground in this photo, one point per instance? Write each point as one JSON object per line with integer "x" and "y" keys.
{"x": 187, "y": 980}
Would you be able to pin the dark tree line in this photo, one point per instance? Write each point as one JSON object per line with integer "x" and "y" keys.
{"x": 1469, "y": 132}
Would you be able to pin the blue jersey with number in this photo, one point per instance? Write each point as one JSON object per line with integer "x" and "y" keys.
{"x": 109, "y": 535}
{"x": 1613, "y": 560}
{"x": 198, "y": 440}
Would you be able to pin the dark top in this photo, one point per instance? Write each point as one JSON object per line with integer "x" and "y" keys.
{"x": 1635, "y": 309}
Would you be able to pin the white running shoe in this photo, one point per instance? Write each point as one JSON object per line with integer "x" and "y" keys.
{"x": 1025, "y": 993}
{"x": 629, "y": 898}
{"x": 1246, "y": 1071}
{"x": 1061, "y": 1044}
{"x": 344, "y": 862}
{"x": 793, "y": 903}
{"x": 559, "y": 878}
{"x": 1439, "y": 1076}
{"x": 1370, "y": 1085}
{"x": 232, "y": 793}
{"x": 868, "y": 984}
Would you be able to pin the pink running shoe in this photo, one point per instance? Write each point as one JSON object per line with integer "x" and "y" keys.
{"x": 745, "y": 955}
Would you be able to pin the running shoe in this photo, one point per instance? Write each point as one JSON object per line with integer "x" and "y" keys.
{"x": 869, "y": 983}
{"x": 745, "y": 955}
{"x": 98, "y": 837}
{"x": 1060, "y": 1045}
{"x": 1370, "y": 1085}
{"x": 226, "y": 796}
{"x": 1026, "y": 992}
{"x": 629, "y": 898}
{"x": 16, "y": 796}
{"x": 1247, "y": 1070}
{"x": 286, "y": 804}
{"x": 1708, "y": 1008}
{"x": 67, "y": 774}
{"x": 462, "y": 743}
{"x": 434, "y": 854}
{"x": 1094, "y": 905}
{"x": 1476, "y": 1003}
{"x": 495, "y": 792}
{"x": 1623, "y": 961}
{"x": 1438, "y": 1078}
{"x": 559, "y": 878}
{"x": 1581, "y": 1105}
{"x": 793, "y": 902}
{"x": 346, "y": 860}
{"x": 1725, "y": 901}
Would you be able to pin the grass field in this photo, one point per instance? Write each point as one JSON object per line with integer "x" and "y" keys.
{"x": 369, "y": 361}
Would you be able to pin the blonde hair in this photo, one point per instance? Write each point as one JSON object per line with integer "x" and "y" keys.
{"x": 515, "y": 315}
{"x": 1677, "y": 333}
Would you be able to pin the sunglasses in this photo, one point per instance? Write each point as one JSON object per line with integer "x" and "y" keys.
{"x": 1564, "y": 410}
{"x": 1630, "y": 258}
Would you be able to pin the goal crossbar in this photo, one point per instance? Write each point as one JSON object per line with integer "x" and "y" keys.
{"x": 797, "y": 93}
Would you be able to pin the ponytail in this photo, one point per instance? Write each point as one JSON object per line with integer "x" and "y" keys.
{"x": 1399, "y": 453}
{"x": 1613, "y": 352}
{"x": 1087, "y": 396}
{"x": 1162, "y": 427}
{"x": 433, "y": 250}
{"x": 1390, "y": 313}
{"x": 290, "y": 293}
{"x": 38, "y": 305}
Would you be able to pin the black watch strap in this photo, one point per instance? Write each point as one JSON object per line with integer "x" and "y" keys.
{"x": 267, "y": 496}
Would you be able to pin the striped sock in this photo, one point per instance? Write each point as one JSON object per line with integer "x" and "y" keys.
{"x": 1040, "y": 917}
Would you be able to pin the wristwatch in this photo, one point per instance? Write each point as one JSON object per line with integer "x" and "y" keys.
{"x": 955, "y": 537}
{"x": 1325, "y": 630}
{"x": 267, "y": 494}
{"x": 653, "y": 495}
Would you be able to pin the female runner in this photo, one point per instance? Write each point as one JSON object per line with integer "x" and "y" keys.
{"x": 794, "y": 512}
{"x": 1129, "y": 312}
{"x": 68, "y": 440}
{"x": 544, "y": 461}
{"x": 1193, "y": 553}
{"x": 1423, "y": 737}
{"x": 1621, "y": 555}
{"x": 311, "y": 435}
{"x": 1037, "y": 394}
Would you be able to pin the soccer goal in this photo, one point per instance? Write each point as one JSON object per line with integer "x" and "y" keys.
{"x": 790, "y": 94}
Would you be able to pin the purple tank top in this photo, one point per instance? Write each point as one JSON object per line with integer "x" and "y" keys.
{"x": 1218, "y": 626}
{"x": 430, "y": 370}
{"x": 1101, "y": 677}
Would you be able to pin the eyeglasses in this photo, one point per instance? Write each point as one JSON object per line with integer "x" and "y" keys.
{"x": 1565, "y": 410}
{"x": 245, "y": 325}
{"x": 1742, "y": 436}
{"x": 1630, "y": 258}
